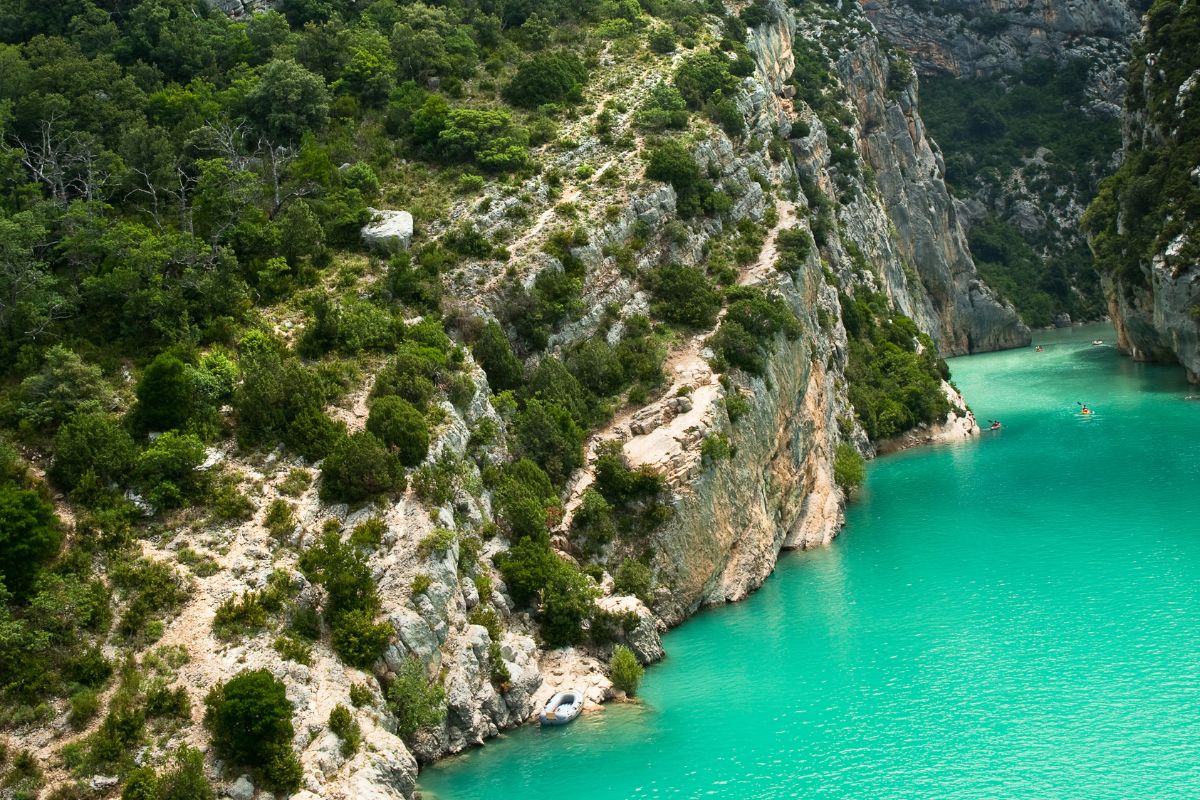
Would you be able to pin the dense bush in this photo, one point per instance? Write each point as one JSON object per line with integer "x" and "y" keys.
{"x": 702, "y": 75}
{"x": 414, "y": 700}
{"x": 65, "y": 385}
{"x": 250, "y": 719}
{"x": 849, "y": 470}
{"x": 672, "y": 163}
{"x": 358, "y": 639}
{"x": 684, "y": 295}
{"x": 400, "y": 426}
{"x": 556, "y": 77}
{"x": 360, "y": 467}
{"x": 92, "y": 445}
{"x": 167, "y": 469}
{"x": 165, "y": 395}
{"x": 894, "y": 371}
{"x": 30, "y": 536}
{"x": 752, "y": 321}
{"x": 634, "y": 578}
{"x": 625, "y": 671}
{"x": 494, "y": 353}
{"x": 547, "y": 434}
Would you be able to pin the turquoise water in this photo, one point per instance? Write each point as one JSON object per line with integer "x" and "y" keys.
{"x": 1013, "y": 617}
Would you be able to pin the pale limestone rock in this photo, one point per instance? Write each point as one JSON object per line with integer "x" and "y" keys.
{"x": 388, "y": 230}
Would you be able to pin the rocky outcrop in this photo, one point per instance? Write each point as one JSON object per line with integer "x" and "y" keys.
{"x": 980, "y": 39}
{"x": 896, "y": 233}
{"x": 388, "y": 230}
{"x": 1144, "y": 226}
{"x": 239, "y": 9}
{"x": 961, "y": 314}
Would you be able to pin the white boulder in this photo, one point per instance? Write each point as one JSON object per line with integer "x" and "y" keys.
{"x": 389, "y": 230}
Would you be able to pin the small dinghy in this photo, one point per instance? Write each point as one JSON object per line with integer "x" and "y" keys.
{"x": 562, "y": 708}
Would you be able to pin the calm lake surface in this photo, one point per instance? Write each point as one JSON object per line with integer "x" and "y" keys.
{"x": 1017, "y": 616}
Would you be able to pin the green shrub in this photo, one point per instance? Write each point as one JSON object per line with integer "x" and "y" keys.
{"x": 280, "y": 519}
{"x": 64, "y": 386}
{"x": 400, "y": 426}
{"x": 84, "y": 705}
{"x": 593, "y": 526}
{"x": 414, "y": 700}
{"x": 684, "y": 295}
{"x": 358, "y": 639}
{"x": 91, "y": 443}
{"x": 700, "y": 76}
{"x": 494, "y": 353}
{"x": 625, "y": 671}
{"x": 671, "y": 163}
{"x": 849, "y": 470}
{"x": 420, "y": 584}
{"x": 296, "y": 482}
{"x": 239, "y": 615}
{"x": 342, "y": 723}
{"x": 556, "y": 77}
{"x": 368, "y": 534}
{"x": 634, "y": 578}
{"x": 715, "y": 447}
{"x": 30, "y": 537}
{"x": 437, "y": 543}
{"x": 360, "y": 468}
{"x": 165, "y": 395}
{"x": 250, "y": 719}
{"x": 343, "y": 572}
{"x": 167, "y": 469}
{"x": 547, "y": 434}
{"x": 361, "y": 695}
{"x": 293, "y": 649}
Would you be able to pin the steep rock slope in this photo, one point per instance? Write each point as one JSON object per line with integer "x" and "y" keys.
{"x": 1143, "y": 224}
{"x": 886, "y": 226}
{"x": 966, "y": 39}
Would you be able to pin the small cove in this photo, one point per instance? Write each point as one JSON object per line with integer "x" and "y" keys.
{"x": 1012, "y": 616}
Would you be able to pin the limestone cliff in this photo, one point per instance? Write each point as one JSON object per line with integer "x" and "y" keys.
{"x": 887, "y": 225}
{"x": 972, "y": 39}
{"x": 1143, "y": 226}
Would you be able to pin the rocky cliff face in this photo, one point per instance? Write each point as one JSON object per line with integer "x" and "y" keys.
{"x": 894, "y": 230}
{"x": 1145, "y": 225}
{"x": 969, "y": 39}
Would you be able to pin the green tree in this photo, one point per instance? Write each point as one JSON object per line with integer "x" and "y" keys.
{"x": 300, "y": 233}
{"x": 167, "y": 469}
{"x": 358, "y": 468}
{"x": 30, "y": 536}
{"x": 415, "y": 701}
{"x": 700, "y": 76}
{"x": 672, "y": 163}
{"x": 548, "y": 435}
{"x": 684, "y": 295}
{"x": 556, "y": 77}
{"x": 250, "y": 719}
{"x": 65, "y": 385}
{"x": 164, "y": 395}
{"x": 625, "y": 671}
{"x": 29, "y": 297}
{"x": 849, "y": 471}
{"x": 284, "y": 101}
{"x": 91, "y": 443}
{"x": 634, "y": 578}
{"x": 399, "y": 425}
{"x": 494, "y": 354}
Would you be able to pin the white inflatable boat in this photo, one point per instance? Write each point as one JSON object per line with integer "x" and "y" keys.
{"x": 562, "y": 708}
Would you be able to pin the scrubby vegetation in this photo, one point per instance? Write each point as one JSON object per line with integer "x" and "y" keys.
{"x": 992, "y": 128}
{"x": 1152, "y": 199}
{"x": 894, "y": 370}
